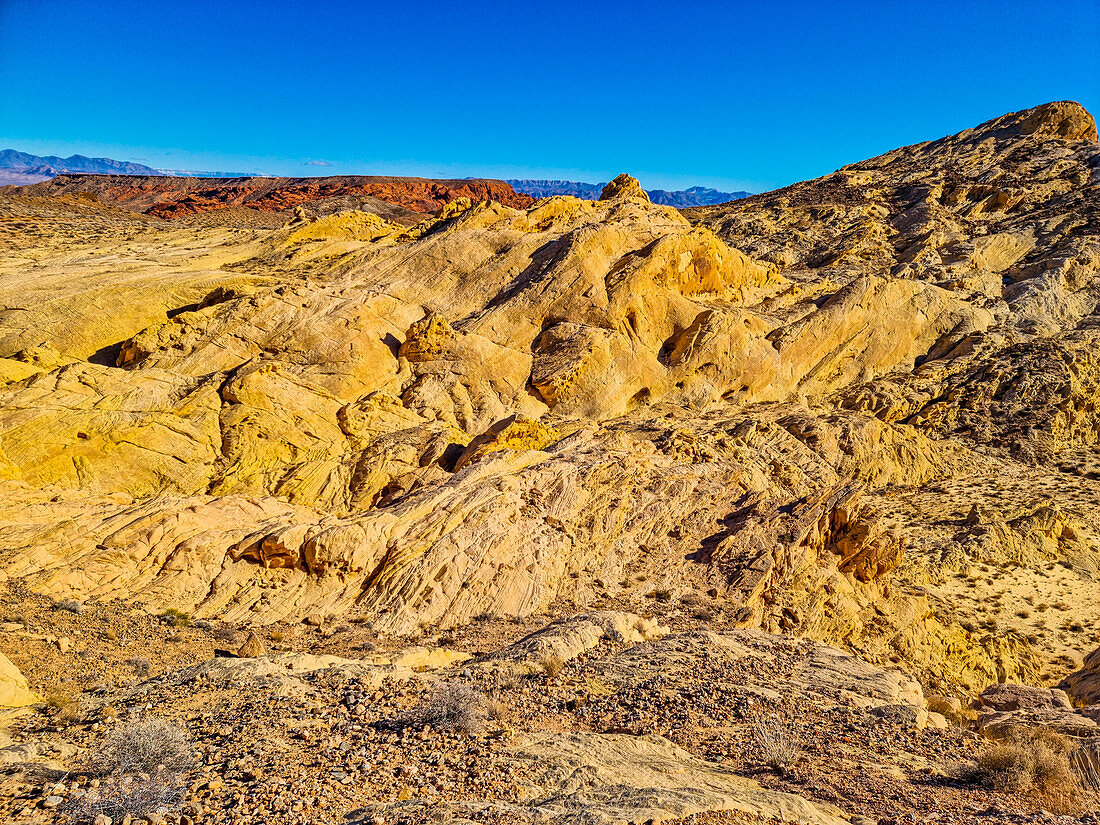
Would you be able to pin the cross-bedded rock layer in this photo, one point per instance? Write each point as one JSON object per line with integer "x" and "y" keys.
{"x": 885, "y": 382}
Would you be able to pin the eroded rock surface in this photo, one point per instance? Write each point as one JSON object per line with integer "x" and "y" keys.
{"x": 830, "y": 408}
{"x": 14, "y": 690}
{"x": 175, "y": 197}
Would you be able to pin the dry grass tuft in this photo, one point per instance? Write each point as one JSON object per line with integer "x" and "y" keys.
{"x": 551, "y": 663}
{"x": 141, "y": 767}
{"x": 1038, "y": 762}
{"x": 775, "y": 738}
{"x": 143, "y": 746}
{"x": 452, "y": 706}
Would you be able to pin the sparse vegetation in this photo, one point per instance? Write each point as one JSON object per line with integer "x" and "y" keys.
{"x": 122, "y": 796}
{"x": 61, "y": 702}
{"x": 70, "y": 606}
{"x": 1034, "y": 761}
{"x": 496, "y": 710}
{"x": 551, "y": 663}
{"x": 140, "y": 769}
{"x": 1085, "y": 762}
{"x": 775, "y": 738}
{"x": 143, "y": 746}
{"x": 175, "y": 618}
{"x": 452, "y": 706}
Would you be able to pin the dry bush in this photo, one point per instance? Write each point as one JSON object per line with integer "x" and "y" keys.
{"x": 551, "y": 663}
{"x": 1035, "y": 761}
{"x": 774, "y": 736}
{"x": 175, "y": 618}
{"x": 143, "y": 747}
{"x": 140, "y": 665}
{"x": 141, "y": 767}
{"x": 70, "y": 606}
{"x": 134, "y": 795}
{"x": 63, "y": 704}
{"x": 1007, "y": 767}
{"x": 451, "y": 706}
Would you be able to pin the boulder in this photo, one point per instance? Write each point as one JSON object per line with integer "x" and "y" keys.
{"x": 1084, "y": 685}
{"x": 14, "y": 690}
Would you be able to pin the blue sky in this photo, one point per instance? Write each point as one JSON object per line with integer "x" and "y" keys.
{"x": 746, "y": 95}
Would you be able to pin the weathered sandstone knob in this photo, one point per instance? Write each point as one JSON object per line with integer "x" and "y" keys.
{"x": 624, "y": 186}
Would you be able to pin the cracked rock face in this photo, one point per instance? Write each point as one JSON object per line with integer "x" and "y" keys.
{"x": 792, "y": 402}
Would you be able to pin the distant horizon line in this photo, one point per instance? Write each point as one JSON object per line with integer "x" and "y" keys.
{"x": 222, "y": 175}
{"x": 660, "y": 181}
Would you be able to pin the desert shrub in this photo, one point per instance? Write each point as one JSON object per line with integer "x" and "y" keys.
{"x": 775, "y": 738}
{"x": 1007, "y": 767}
{"x": 70, "y": 606}
{"x": 951, "y": 709}
{"x": 140, "y": 665}
{"x": 1036, "y": 761}
{"x": 142, "y": 769}
{"x": 62, "y": 704}
{"x": 551, "y": 663}
{"x": 175, "y": 618}
{"x": 134, "y": 795}
{"x": 143, "y": 746}
{"x": 451, "y": 706}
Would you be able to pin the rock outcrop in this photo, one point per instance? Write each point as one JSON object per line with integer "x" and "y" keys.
{"x": 1006, "y": 706}
{"x": 1084, "y": 685}
{"x": 826, "y": 407}
{"x": 175, "y": 197}
{"x": 14, "y": 690}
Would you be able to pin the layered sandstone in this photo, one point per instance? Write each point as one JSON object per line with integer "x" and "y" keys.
{"x": 173, "y": 197}
{"x": 826, "y": 407}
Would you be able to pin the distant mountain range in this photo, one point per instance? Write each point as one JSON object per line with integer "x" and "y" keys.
{"x": 21, "y": 168}
{"x": 682, "y": 198}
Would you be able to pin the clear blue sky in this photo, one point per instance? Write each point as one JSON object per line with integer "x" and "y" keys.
{"x": 736, "y": 95}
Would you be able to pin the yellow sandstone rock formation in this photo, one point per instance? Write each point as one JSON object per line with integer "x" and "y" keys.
{"x": 793, "y": 402}
{"x": 14, "y": 690}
